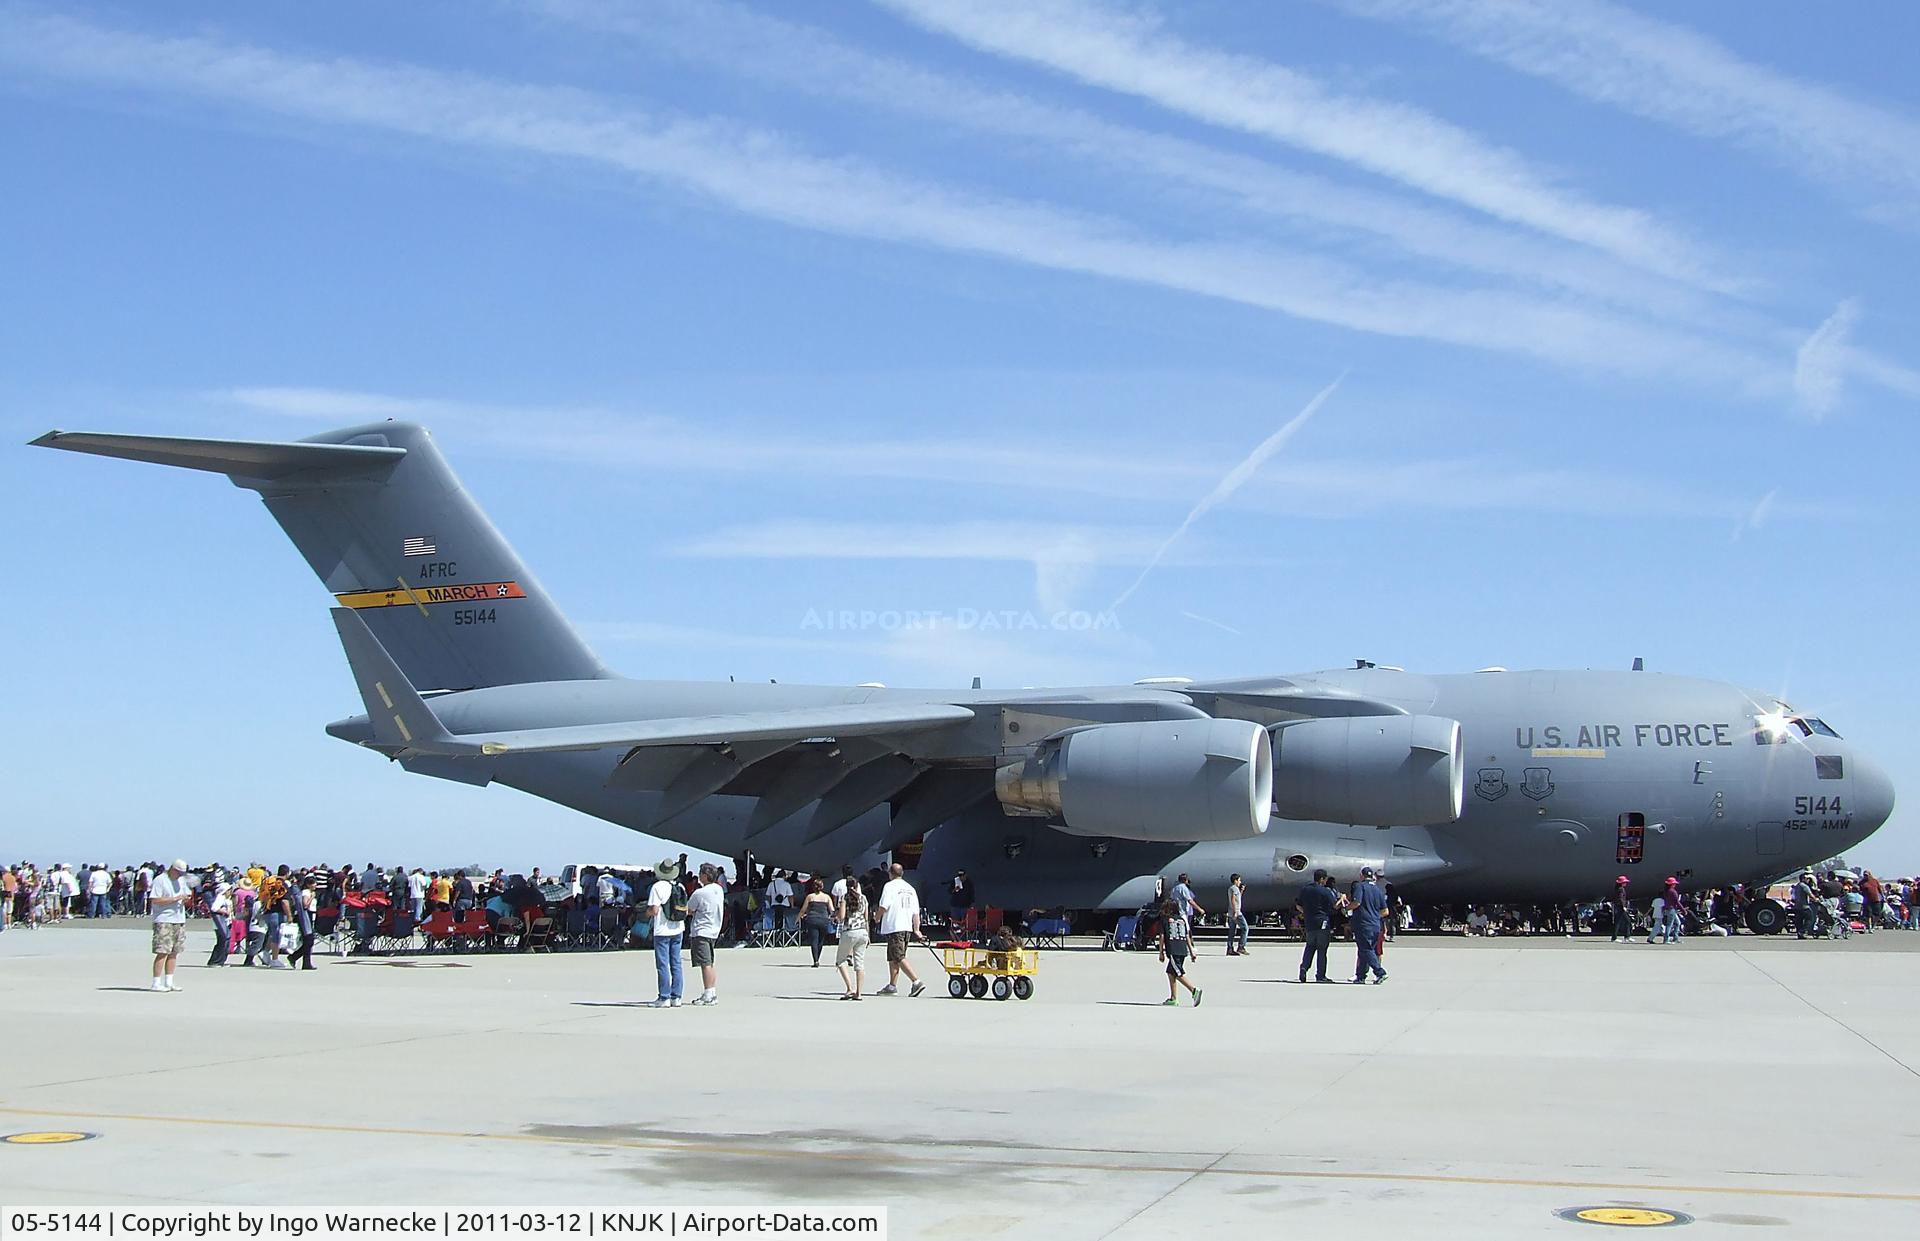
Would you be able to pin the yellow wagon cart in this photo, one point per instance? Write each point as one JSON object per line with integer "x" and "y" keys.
{"x": 974, "y": 970}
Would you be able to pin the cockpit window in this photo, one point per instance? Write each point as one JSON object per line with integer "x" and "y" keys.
{"x": 1775, "y": 729}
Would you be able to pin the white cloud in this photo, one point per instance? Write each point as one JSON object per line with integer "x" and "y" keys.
{"x": 769, "y": 50}
{"x": 1132, "y": 52}
{"x": 1757, "y": 515}
{"x": 1145, "y": 472}
{"x": 1011, "y": 541}
{"x": 1820, "y": 367}
{"x": 630, "y": 439}
{"x": 757, "y": 173}
{"x": 1672, "y": 74}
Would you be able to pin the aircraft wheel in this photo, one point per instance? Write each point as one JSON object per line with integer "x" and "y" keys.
{"x": 977, "y": 986}
{"x": 1766, "y": 917}
{"x": 1023, "y": 987}
{"x": 1002, "y": 989}
{"x": 957, "y": 986}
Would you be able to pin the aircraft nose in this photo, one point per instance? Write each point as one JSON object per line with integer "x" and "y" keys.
{"x": 1872, "y": 796}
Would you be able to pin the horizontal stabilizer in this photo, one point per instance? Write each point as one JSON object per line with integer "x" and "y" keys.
{"x": 851, "y": 720}
{"x": 399, "y": 716}
{"x": 240, "y": 458}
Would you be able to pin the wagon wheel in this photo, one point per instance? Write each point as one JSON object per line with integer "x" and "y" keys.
{"x": 957, "y": 985}
{"x": 1023, "y": 987}
{"x": 977, "y": 986}
{"x": 1002, "y": 989}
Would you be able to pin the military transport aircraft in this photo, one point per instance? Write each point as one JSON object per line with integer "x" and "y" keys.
{"x": 1493, "y": 786}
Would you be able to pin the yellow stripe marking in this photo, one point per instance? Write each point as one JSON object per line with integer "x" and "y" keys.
{"x": 401, "y": 594}
{"x": 405, "y": 733}
{"x": 386, "y": 699}
{"x": 1567, "y": 752}
{"x": 893, "y": 1156}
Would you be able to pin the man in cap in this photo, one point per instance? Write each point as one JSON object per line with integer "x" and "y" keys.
{"x": 1805, "y": 898}
{"x": 899, "y": 908}
{"x": 1369, "y": 913}
{"x": 1317, "y": 903}
{"x": 705, "y": 912}
{"x": 667, "y": 908}
{"x": 167, "y": 898}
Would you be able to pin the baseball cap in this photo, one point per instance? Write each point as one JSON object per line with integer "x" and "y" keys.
{"x": 178, "y": 864}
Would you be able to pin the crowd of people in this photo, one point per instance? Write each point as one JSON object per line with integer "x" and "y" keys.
{"x": 271, "y": 918}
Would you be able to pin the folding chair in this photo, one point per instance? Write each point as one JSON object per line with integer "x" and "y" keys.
{"x": 472, "y": 931}
{"x": 1123, "y": 932}
{"x": 1047, "y": 933}
{"x": 574, "y": 935}
{"x": 612, "y": 932}
{"x": 438, "y": 930}
{"x": 539, "y": 936}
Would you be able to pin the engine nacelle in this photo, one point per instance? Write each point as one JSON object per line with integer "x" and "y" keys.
{"x": 1159, "y": 780}
{"x": 1375, "y": 770}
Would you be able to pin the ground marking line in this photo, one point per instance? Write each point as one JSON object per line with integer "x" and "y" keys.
{"x": 1767, "y": 974}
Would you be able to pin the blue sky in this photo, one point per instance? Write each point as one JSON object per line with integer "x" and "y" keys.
{"x": 741, "y": 318}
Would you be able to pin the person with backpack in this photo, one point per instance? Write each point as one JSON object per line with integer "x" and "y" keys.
{"x": 1176, "y": 945}
{"x": 667, "y": 910}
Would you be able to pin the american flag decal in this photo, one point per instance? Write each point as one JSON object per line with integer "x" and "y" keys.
{"x": 418, "y": 545}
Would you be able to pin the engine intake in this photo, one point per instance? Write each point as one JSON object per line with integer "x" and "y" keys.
{"x": 1158, "y": 780}
{"x": 1377, "y": 770}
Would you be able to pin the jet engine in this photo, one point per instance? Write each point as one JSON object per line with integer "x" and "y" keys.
{"x": 1377, "y": 770}
{"x": 1159, "y": 780}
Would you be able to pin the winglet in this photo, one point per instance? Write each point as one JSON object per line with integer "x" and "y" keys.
{"x": 401, "y": 718}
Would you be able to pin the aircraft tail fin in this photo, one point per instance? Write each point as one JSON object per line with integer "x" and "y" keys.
{"x": 386, "y": 525}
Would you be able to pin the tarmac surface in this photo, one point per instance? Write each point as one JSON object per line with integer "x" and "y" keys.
{"x": 1488, "y": 1084}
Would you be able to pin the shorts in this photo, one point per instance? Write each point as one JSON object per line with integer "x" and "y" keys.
{"x": 852, "y": 950}
{"x": 897, "y": 946}
{"x": 169, "y": 938}
{"x": 1177, "y": 964}
{"x": 701, "y": 950}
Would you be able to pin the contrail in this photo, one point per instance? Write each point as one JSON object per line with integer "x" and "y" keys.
{"x": 1208, "y": 620}
{"x": 1235, "y": 478}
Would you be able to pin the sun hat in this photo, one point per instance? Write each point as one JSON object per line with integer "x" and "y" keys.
{"x": 667, "y": 869}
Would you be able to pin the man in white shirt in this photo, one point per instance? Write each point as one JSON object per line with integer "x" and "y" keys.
{"x": 99, "y": 883}
{"x": 417, "y": 894}
{"x": 667, "y": 932}
{"x": 168, "y": 900}
{"x": 706, "y": 909}
{"x": 899, "y": 924}
{"x": 780, "y": 900}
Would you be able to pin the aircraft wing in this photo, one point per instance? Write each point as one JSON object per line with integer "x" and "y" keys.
{"x": 855, "y": 720}
{"x": 402, "y": 719}
{"x": 1288, "y": 698}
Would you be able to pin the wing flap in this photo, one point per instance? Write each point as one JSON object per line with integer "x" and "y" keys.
{"x": 847, "y": 720}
